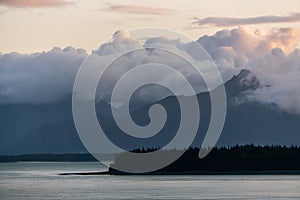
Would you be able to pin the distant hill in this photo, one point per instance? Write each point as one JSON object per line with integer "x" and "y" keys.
{"x": 246, "y": 159}
{"x": 49, "y": 128}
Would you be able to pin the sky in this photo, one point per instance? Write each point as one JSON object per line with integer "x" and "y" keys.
{"x": 43, "y": 43}
{"x": 36, "y": 25}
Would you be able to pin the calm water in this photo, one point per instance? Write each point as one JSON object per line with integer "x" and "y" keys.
{"x": 35, "y": 180}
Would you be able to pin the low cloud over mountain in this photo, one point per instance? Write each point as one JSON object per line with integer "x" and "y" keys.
{"x": 40, "y": 77}
{"x": 272, "y": 57}
{"x": 261, "y": 71}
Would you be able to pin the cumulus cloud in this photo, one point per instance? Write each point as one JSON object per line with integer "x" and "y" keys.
{"x": 122, "y": 42}
{"x": 236, "y": 47}
{"x": 134, "y": 9}
{"x": 280, "y": 73}
{"x": 271, "y": 56}
{"x": 49, "y": 76}
{"x": 231, "y": 21}
{"x": 40, "y": 77}
{"x": 35, "y": 3}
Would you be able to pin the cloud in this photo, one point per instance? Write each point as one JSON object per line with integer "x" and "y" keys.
{"x": 231, "y": 21}
{"x": 34, "y": 3}
{"x": 134, "y": 9}
{"x": 281, "y": 74}
{"x": 271, "y": 56}
{"x": 40, "y": 77}
{"x": 49, "y": 76}
{"x": 122, "y": 42}
{"x": 239, "y": 46}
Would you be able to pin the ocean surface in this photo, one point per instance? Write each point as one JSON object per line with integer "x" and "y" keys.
{"x": 41, "y": 180}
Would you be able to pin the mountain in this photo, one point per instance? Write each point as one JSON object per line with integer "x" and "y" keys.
{"x": 49, "y": 128}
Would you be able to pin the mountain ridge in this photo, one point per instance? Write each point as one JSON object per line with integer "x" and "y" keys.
{"x": 246, "y": 123}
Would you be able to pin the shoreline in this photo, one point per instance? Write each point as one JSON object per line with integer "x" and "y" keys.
{"x": 242, "y": 172}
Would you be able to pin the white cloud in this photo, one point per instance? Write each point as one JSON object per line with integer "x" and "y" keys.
{"x": 239, "y": 46}
{"x": 281, "y": 74}
{"x": 40, "y": 77}
{"x": 271, "y": 56}
{"x": 122, "y": 41}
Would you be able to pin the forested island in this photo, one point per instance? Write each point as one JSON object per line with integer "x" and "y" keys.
{"x": 246, "y": 159}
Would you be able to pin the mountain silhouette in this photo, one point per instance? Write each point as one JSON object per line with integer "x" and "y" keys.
{"x": 49, "y": 128}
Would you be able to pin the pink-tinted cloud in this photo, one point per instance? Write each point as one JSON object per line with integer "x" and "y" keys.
{"x": 132, "y": 9}
{"x": 34, "y": 3}
{"x": 272, "y": 56}
{"x": 231, "y": 21}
